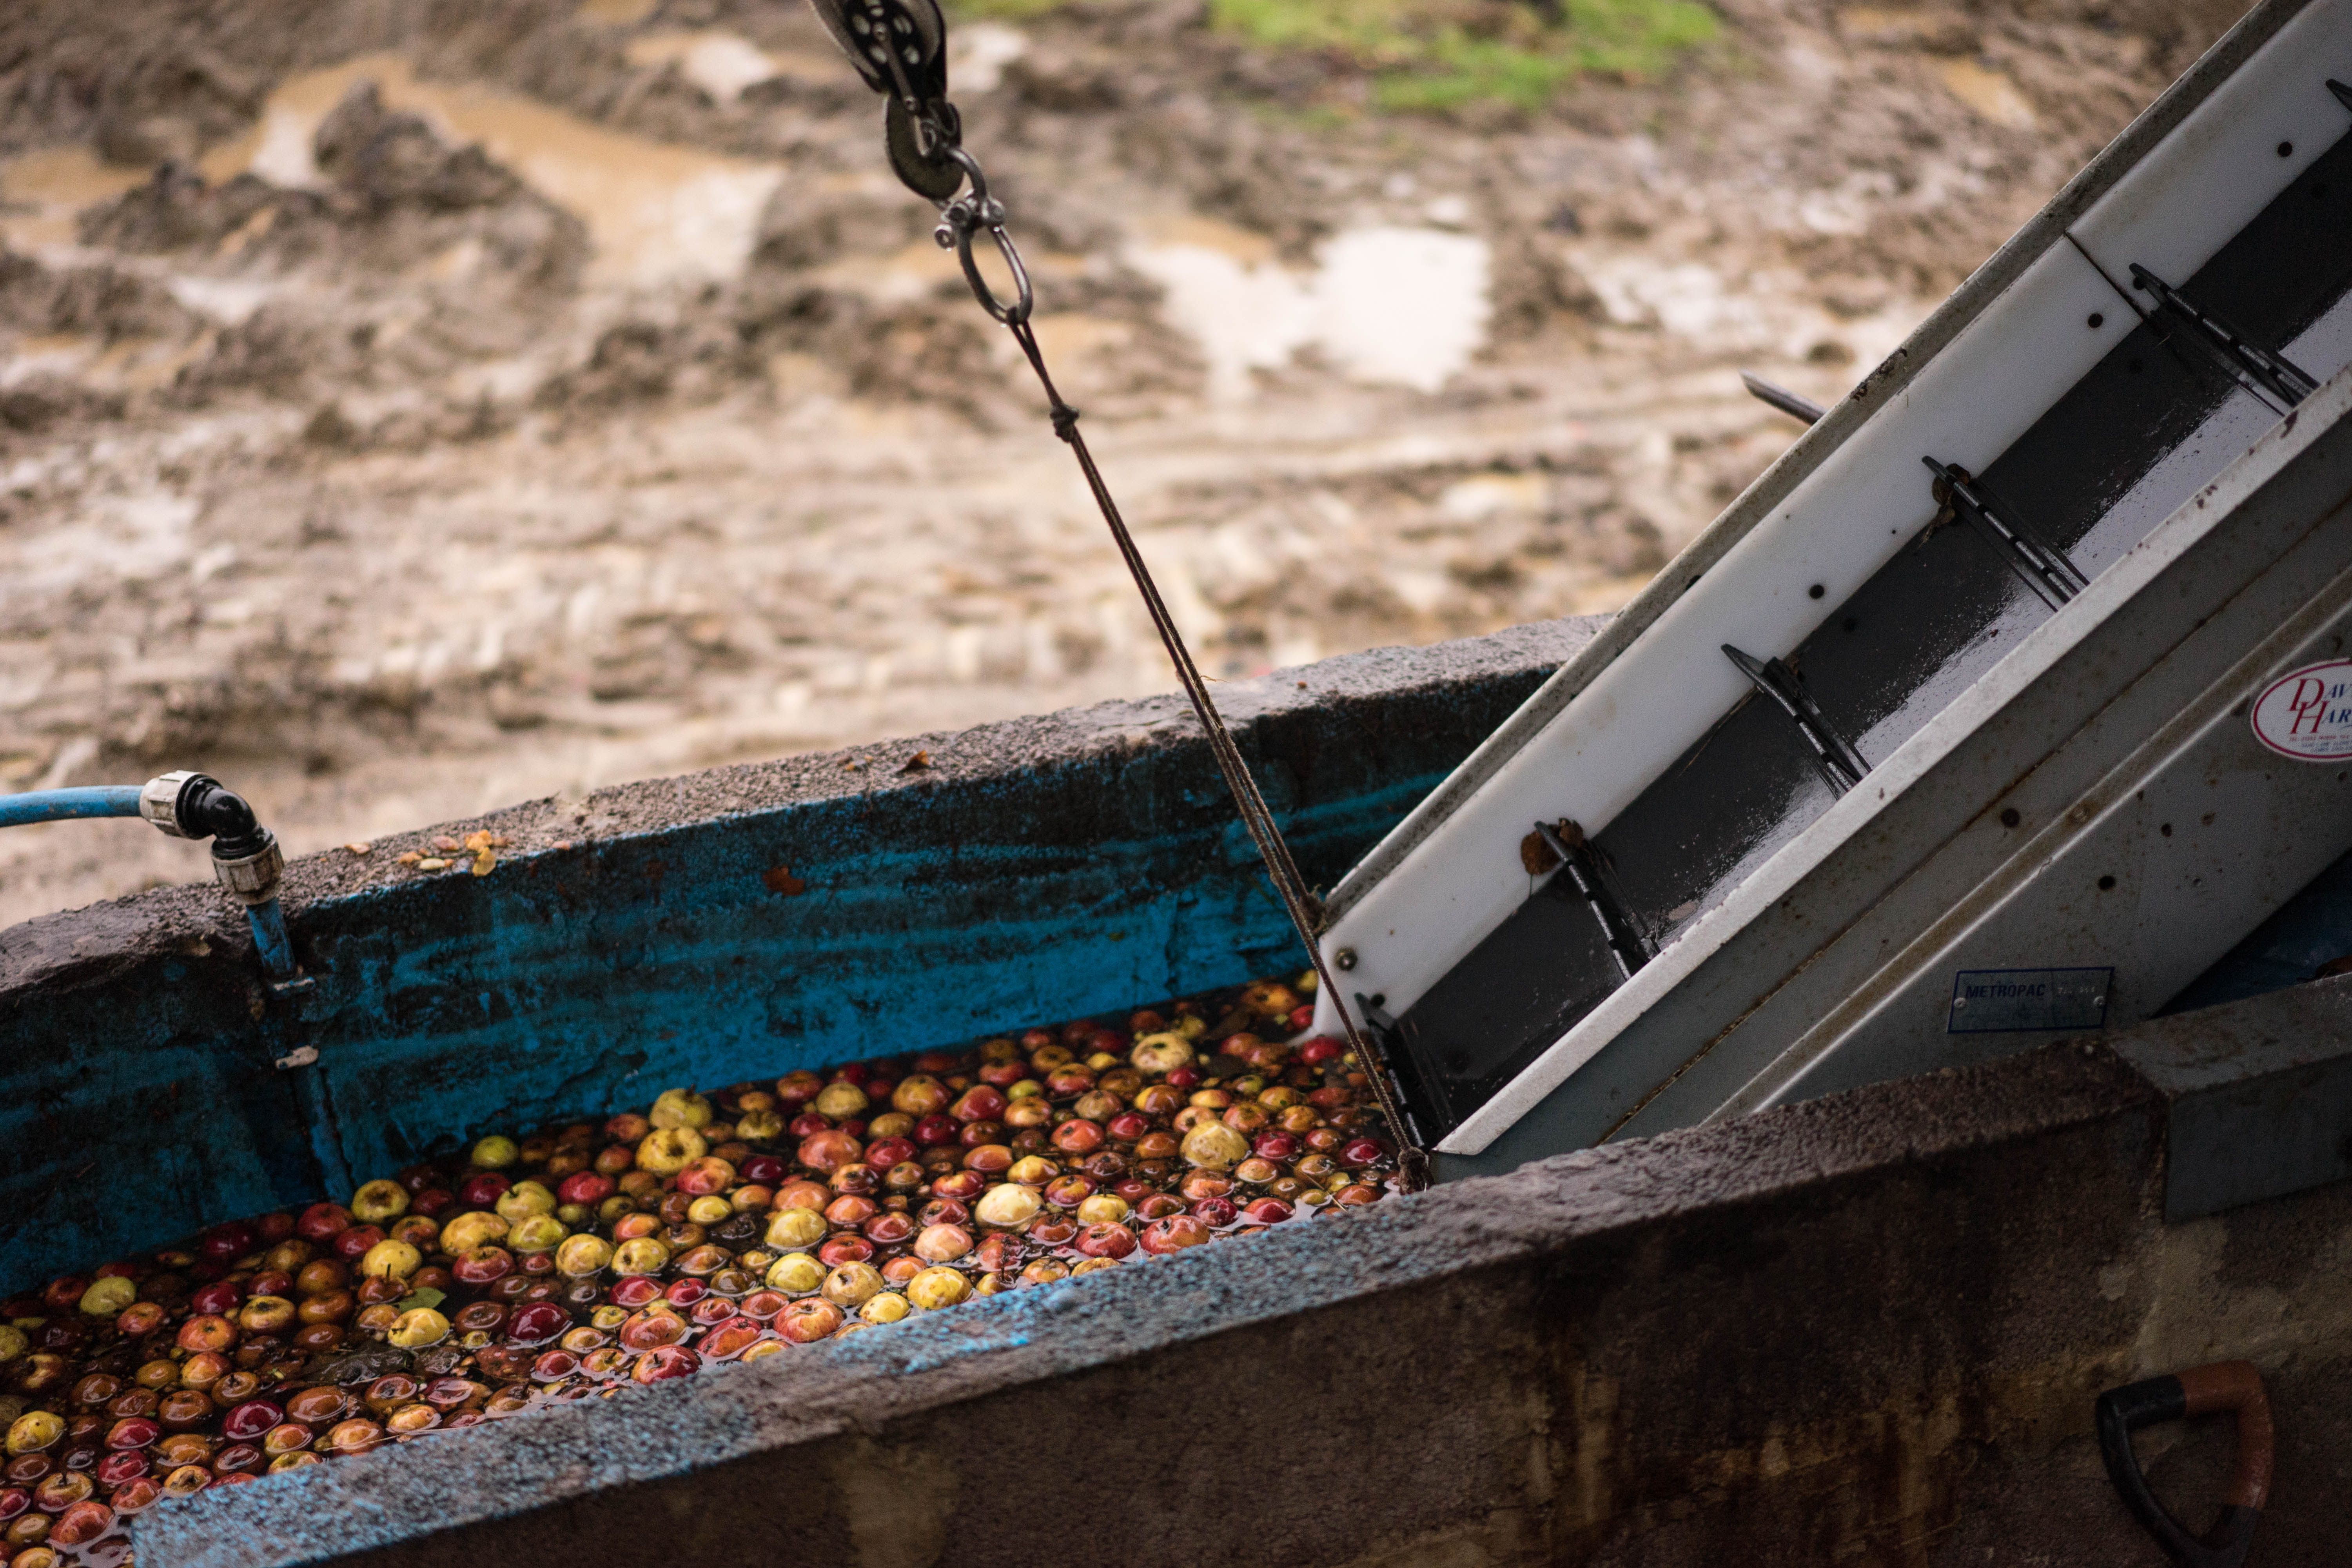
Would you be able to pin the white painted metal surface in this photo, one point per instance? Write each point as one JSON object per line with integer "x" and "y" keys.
{"x": 2147, "y": 842}
{"x": 2089, "y": 711}
{"x": 1448, "y": 878}
{"x": 2192, "y": 842}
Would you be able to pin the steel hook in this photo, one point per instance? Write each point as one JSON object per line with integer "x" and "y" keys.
{"x": 957, "y": 222}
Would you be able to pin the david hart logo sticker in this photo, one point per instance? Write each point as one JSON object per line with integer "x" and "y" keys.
{"x": 2308, "y": 713}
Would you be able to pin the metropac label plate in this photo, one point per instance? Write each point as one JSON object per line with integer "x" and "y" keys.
{"x": 2001, "y": 1001}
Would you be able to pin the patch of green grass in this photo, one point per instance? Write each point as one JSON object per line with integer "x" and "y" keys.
{"x": 1442, "y": 54}
{"x": 1003, "y": 10}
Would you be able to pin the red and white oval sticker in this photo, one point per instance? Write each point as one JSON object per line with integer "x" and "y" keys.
{"x": 2308, "y": 714}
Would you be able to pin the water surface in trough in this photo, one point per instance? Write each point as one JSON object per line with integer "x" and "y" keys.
{"x": 568, "y": 1265}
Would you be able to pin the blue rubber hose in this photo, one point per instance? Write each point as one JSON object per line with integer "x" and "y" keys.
{"x": 267, "y": 920}
{"x": 270, "y": 939}
{"x": 58, "y": 804}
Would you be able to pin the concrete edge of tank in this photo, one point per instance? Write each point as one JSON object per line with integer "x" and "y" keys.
{"x": 88, "y": 945}
{"x": 717, "y": 927}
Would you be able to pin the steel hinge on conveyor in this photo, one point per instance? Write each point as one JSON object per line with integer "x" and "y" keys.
{"x": 2252, "y": 366}
{"x": 1841, "y": 766}
{"x": 2046, "y": 568}
{"x": 1628, "y": 944}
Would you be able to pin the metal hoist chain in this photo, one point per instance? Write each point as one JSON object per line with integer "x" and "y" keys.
{"x": 899, "y": 47}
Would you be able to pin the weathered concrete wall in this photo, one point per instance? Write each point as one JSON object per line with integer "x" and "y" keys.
{"x": 735, "y": 923}
{"x": 1867, "y": 1330}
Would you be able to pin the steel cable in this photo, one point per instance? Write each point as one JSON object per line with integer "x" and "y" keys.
{"x": 1265, "y": 833}
{"x": 933, "y": 144}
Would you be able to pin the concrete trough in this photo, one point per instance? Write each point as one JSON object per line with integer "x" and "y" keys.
{"x": 735, "y": 923}
{"x": 1866, "y": 1329}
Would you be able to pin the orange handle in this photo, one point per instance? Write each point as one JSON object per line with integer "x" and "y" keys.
{"x": 2236, "y": 1386}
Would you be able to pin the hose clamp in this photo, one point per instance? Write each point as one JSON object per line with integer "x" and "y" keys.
{"x": 159, "y": 801}
{"x": 253, "y": 878}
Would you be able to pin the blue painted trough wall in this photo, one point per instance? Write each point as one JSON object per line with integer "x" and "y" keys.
{"x": 1036, "y": 870}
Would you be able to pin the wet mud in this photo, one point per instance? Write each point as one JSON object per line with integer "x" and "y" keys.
{"x": 406, "y": 409}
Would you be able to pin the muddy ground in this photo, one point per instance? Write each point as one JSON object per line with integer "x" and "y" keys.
{"x": 408, "y": 408}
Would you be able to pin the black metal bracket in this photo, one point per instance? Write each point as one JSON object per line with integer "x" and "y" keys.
{"x": 1385, "y": 1027}
{"x": 1628, "y": 944}
{"x": 1841, "y": 764}
{"x": 2046, "y": 568}
{"x": 1795, "y": 404}
{"x": 2252, "y": 366}
{"x": 1374, "y": 1014}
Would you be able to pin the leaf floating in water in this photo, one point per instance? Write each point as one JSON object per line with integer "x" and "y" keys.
{"x": 358, "y": 1366}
